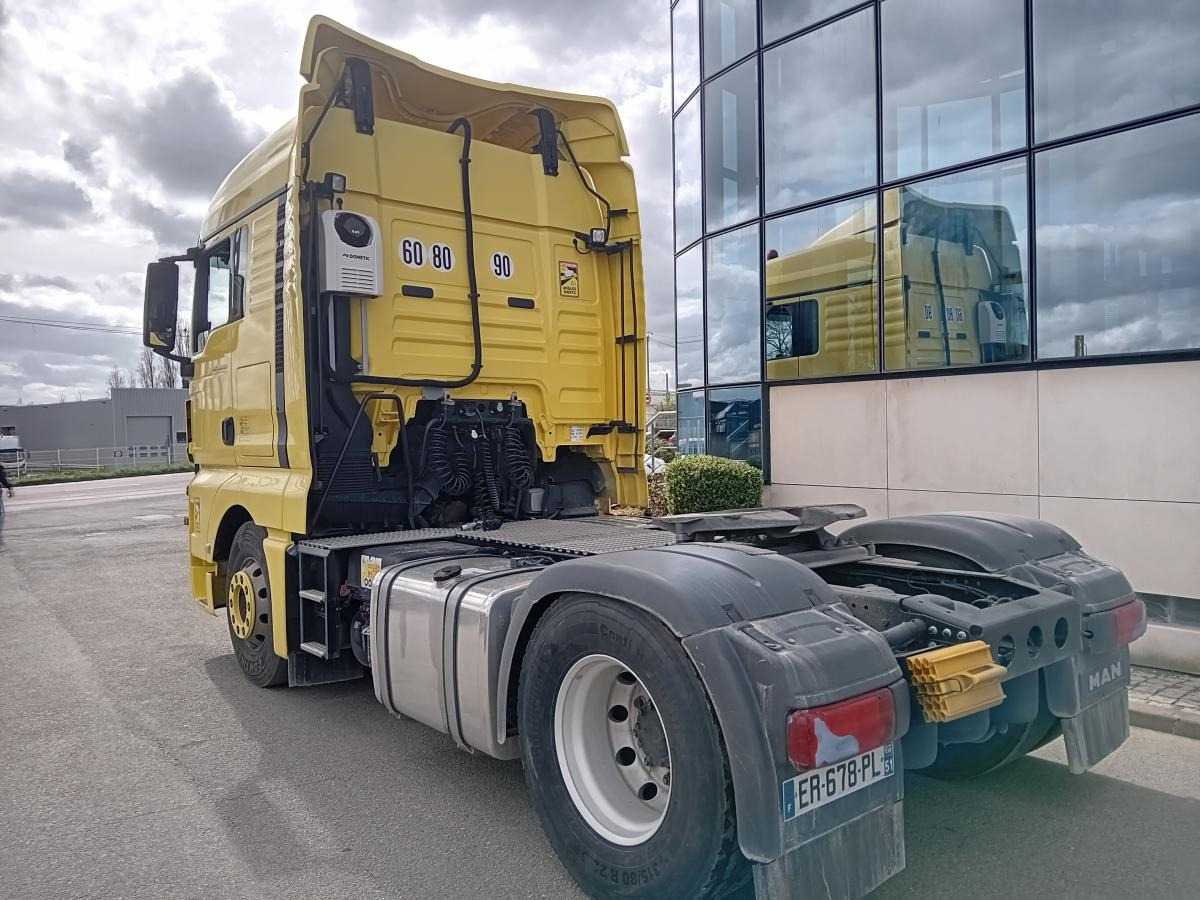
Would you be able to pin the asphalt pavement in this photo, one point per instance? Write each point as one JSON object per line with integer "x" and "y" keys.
{"x": 136, "y": 762}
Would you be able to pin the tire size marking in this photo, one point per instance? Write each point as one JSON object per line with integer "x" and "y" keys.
{"x": 626, "y": 877}
{"x": 502, "y": 265}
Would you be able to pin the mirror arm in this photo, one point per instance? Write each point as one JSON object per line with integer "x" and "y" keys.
{"x": 186, "y": 366}
{"x": 188, "y": 255}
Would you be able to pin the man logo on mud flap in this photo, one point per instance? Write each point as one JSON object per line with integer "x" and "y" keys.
{"x": 1104, "y": 676}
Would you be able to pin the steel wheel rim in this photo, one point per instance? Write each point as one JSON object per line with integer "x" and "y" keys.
{"x": 247, "y": 586}
{"x": 616, "y": 768}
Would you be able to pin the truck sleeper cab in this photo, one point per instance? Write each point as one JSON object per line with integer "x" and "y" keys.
{"x": 415, "y": 394}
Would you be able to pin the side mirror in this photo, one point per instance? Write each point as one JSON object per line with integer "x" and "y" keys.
{"x": 161, "y": 309}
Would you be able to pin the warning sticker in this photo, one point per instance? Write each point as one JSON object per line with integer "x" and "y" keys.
{"x": 568, "y": 278}
{"x": 368, "y": 568}
{"x": 576, "y": 433}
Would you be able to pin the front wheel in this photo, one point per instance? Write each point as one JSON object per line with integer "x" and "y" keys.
{"x": 249, "y": 605}
{"x": 623, "y": 756}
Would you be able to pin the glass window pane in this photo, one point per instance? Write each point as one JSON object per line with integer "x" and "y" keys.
{"x": 822, "y": 300}
{"x": 953, "y": 82}
{"x": 687, "y": 175}
{"x": 1100, "y": 62}
{"x": 691, "y": 422}
{"x": 782, "y": 17}
{"x": 1118, "y": 242}
{"x": 685, "y": 49}
{"x": 731, "y": 147}
{"x": 689, "y": 319}
{"x": 819, "y": 113}
{"x": 218, "y": 288}
{"x": 732, "y": 296}
{"x": 955, "y": 269}
{"x": 735, "y": 424}
{"x": 730, "y": 32}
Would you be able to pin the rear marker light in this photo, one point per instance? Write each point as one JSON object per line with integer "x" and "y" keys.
{"x": 1130, "y": 621}
{"x": 828, "y": 734}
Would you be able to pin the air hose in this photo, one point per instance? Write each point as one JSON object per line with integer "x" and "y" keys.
{"x": 516, "y": 458}
{"x": 450, "y": 468}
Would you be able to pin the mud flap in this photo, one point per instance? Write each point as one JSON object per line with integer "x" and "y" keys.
{"x": 843, "y": 864}
{"x": 1097, "y": 731}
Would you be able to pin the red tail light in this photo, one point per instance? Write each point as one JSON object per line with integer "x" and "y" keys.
{"x": 1131, "y": 621}
{"x": 828, "y": 734}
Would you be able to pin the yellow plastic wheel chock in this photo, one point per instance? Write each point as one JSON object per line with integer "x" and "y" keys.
{"x": 952, "y": 682}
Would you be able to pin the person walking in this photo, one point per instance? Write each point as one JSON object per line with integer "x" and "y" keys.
{"x": 5, "y": 485}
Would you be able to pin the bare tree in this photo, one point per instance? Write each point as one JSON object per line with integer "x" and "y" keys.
{"x": 146, "y": 369}
{"x": 116, "y": 378}
{"x": 779, "y": 338}
{"x": 166, "y": 374}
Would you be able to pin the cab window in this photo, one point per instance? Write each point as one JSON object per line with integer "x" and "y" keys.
{"x": 221, "y": 286}
{"x": 793, "y": 330}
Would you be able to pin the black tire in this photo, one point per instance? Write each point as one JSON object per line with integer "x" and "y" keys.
{"x": 955, "y": 761}
{"x": 256, "y": 651}
{"x": 694, "y": 852}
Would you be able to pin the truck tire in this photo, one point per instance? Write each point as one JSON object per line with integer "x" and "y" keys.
{"x": 955, "y": 761}
{"x": 249, "y": 607}
{"x": 605, "y": 693}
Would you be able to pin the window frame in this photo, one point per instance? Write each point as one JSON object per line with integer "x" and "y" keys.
{"x": 236, "y": 244}
{"x": 1028, "y": 151}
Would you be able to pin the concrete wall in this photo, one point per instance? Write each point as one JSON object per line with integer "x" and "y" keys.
{"x": 93, "y": 423}
{"x": 1109, "y": 453}
{"x": 87, "y": 423}
{"x": 131, "y": 402}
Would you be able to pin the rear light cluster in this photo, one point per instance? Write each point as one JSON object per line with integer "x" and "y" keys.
{"x": 828, "y": 734}
{"x": 1130, "y": 621}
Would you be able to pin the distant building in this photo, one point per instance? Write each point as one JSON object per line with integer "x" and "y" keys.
{"x": 129, "y": 417}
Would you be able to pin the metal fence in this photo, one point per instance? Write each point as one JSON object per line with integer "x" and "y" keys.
{"x": 139, "y": 457}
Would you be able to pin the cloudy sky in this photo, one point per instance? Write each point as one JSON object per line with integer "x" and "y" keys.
{"x": 120, "y": 118}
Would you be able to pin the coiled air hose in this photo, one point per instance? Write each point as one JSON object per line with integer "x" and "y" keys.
{"x": 516, "y": 457}
{"x": 450, "y": 468}
{"x": 489, "y": 473}
{"x": 483, "y": 511}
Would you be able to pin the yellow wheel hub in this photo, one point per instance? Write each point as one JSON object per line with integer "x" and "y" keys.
{"x": 241, "y": 604}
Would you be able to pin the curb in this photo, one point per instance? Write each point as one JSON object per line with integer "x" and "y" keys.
{"x": 1169, "y": 719}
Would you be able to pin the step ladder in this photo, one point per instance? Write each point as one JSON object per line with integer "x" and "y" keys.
{"x": 318, "y": 595}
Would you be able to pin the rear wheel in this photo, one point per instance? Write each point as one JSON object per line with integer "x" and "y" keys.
{"x": 249, "y": 605}
{"x": 997, "y": 751}
{"x": 623, "y": 756}
{"x": 971, "y": 760}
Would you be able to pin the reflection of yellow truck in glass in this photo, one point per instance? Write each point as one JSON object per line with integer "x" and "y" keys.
{"x": 417, "y": 391}
{"x": 953, "y": 292}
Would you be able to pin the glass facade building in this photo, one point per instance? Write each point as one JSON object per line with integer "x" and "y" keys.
{"x": 868, "y": 190}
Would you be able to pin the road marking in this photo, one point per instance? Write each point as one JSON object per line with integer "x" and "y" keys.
{"x": 15, "y": 505}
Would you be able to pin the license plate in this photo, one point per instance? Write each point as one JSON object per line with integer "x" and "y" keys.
{"x": 815, "y": 788}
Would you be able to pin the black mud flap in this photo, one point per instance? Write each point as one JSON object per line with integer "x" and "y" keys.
{"x": 1097, "y": 731}
{"x": 1090, "y": 694}
{"x": 844, "y": 864}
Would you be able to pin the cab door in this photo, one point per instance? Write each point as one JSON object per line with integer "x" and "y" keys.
{"x": 216, "y": 310}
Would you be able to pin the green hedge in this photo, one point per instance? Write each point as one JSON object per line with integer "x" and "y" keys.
{"x": 710, "y": 483}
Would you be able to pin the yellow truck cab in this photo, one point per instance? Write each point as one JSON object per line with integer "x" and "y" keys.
{"x": 953, "y": 292}
{"x": 416, "y": 372}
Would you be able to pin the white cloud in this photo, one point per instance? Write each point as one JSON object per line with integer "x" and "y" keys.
{"x": 121, "y": 117}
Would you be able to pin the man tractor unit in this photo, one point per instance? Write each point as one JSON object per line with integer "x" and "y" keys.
{"x": 416, "y": 393}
